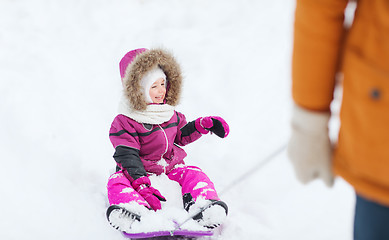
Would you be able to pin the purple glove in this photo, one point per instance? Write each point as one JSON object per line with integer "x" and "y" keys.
{"x": 143, "y": 186}
{"x": 217, "y": 125}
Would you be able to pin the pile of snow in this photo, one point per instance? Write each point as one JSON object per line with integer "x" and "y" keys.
{"x": 171, "y": 217}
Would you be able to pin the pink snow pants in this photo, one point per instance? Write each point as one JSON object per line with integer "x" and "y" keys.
{"x": 192, "y": 180}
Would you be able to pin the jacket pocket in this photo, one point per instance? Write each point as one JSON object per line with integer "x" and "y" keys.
{"x": 364, "y": 133}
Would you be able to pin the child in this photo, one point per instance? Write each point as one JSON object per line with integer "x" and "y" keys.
{"x": 146, "y": 135}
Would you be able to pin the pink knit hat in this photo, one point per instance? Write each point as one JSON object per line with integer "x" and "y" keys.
{"x": 148, "y": 79}
{"x": 128, "y": 59}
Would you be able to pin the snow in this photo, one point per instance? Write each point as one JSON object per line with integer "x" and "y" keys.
{"x": 59, "y": 91}
{"x": 200, "y": 185}
{"x": 172, "y": 212}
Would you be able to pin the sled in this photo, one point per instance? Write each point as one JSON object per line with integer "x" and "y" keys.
{"x": 177, "y": 234}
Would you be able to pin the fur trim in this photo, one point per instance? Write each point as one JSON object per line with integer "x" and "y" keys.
{"x": 144, "y": 62}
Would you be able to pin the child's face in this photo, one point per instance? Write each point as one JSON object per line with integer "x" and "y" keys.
{"x": 157, "y": 91}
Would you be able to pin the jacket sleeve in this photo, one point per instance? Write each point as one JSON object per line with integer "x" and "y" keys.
{"x": 318, "y": 38}
{"x": 187, "y": 132}
{"x": 126, "y": 142}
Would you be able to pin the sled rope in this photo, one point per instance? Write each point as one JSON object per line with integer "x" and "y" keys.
{"x": 252, "y": 170}
{"x": 235, "y": 182}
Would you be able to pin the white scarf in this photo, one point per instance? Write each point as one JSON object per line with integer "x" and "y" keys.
{"x": 154, "y": 113}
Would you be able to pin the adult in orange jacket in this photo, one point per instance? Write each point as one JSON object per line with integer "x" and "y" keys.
{"x": 323, "y": 48}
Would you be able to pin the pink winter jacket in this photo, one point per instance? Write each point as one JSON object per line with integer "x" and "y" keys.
{"x": 142, "y": 148}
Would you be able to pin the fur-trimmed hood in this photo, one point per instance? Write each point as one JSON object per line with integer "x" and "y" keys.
{"x": 144, "y": 61}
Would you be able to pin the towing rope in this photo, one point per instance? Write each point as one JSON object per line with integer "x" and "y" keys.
{"x": 235, "y": 182}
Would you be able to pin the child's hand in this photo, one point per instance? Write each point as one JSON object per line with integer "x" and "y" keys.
{"x": 214, "y": 124}
{"x": 151, "y": 195}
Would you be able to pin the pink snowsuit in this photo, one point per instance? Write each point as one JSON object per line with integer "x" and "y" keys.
{"x": 157, "y": 147}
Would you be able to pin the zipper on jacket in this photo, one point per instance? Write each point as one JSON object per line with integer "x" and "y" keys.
{"x": 167, "y": 147}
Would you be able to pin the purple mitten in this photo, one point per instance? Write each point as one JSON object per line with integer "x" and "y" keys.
{"x": 214, "y": 124}
{"x": 143, "y": 186}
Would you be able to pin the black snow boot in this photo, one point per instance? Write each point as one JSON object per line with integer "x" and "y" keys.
{"x": 212, "y": 212}
{"x": 120, "y": 218}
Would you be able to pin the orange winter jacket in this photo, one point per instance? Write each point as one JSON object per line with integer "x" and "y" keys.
{"x": 322, "y": 49}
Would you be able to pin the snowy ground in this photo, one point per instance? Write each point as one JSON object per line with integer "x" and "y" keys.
{"x": 59, "y": 89}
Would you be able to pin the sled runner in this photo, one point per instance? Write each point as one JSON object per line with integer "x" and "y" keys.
{"x": 177, "y": 234}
